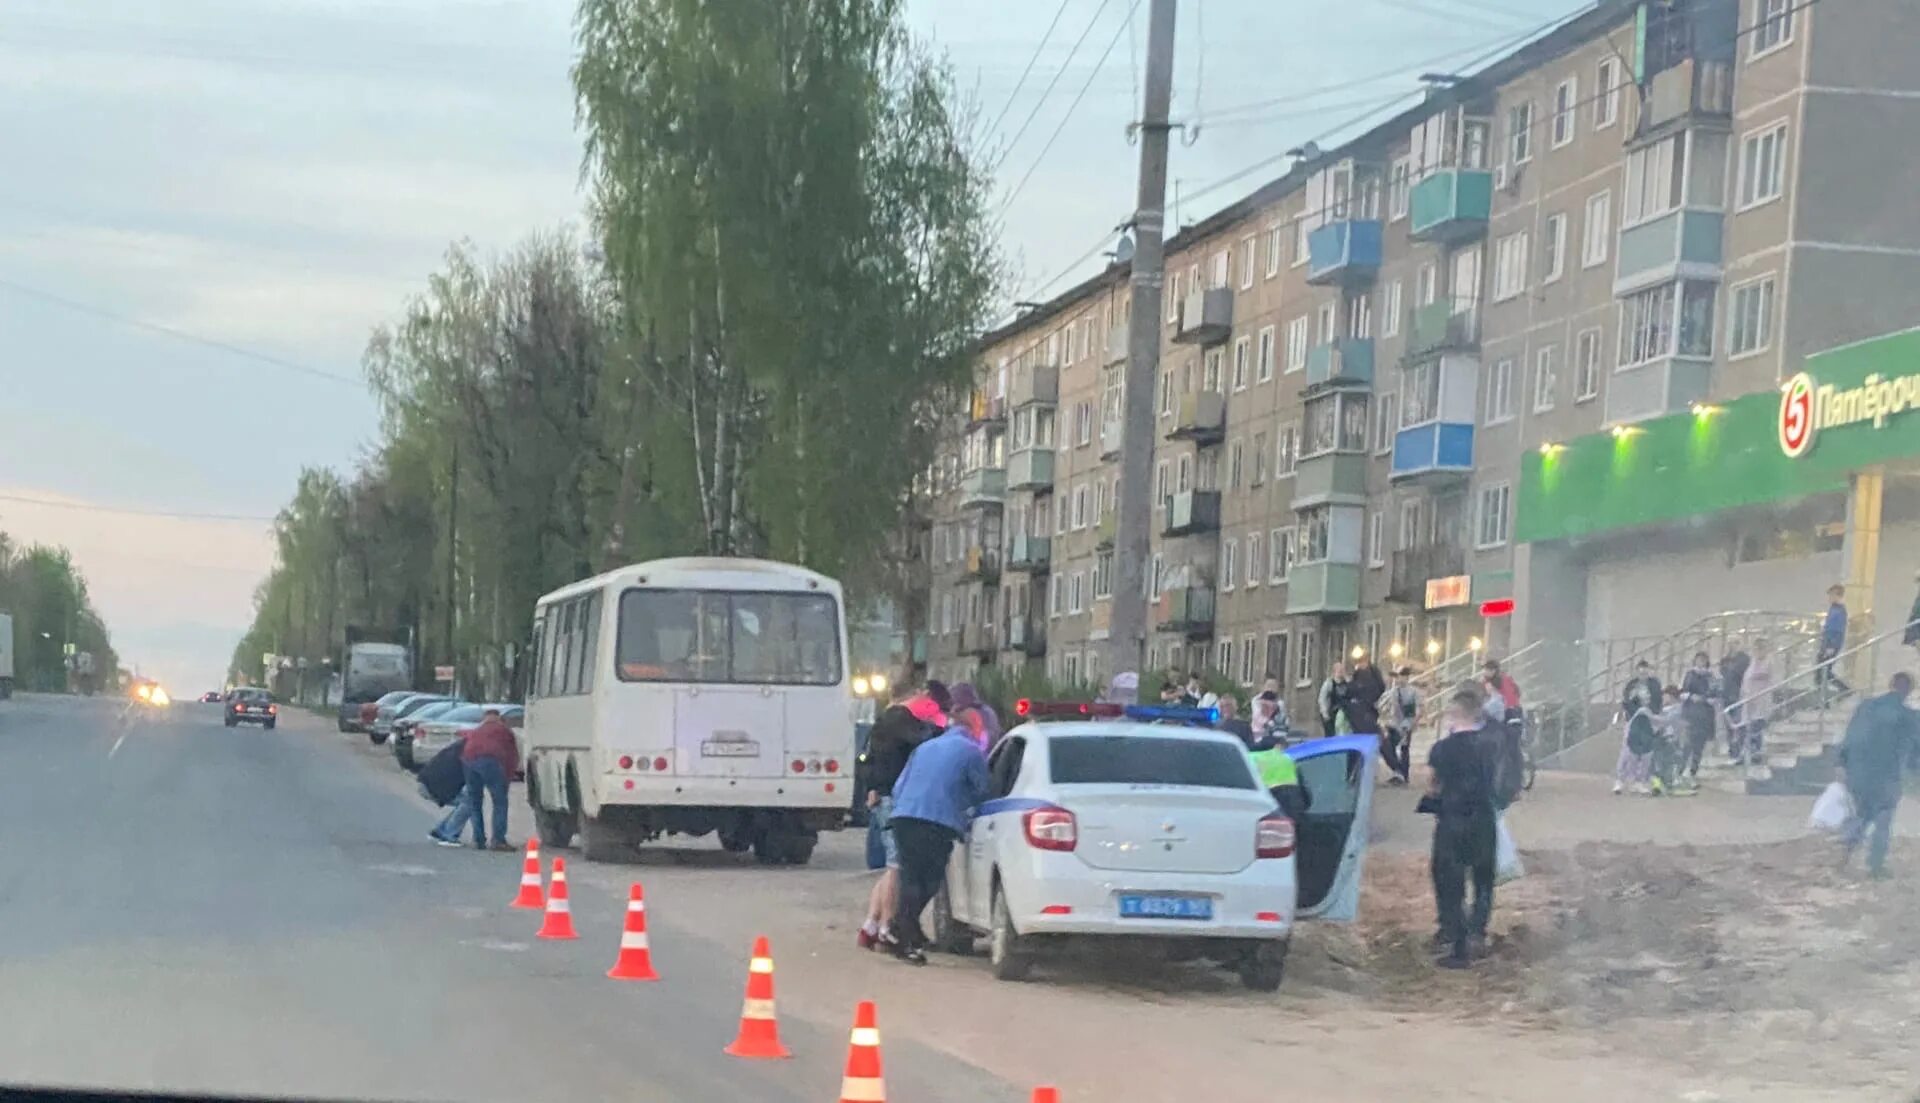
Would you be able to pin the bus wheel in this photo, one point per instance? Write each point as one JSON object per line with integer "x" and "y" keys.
{"x": 601, "y": 841}
{"x": 735, "y": 842}
{"x": 556, "y": 829}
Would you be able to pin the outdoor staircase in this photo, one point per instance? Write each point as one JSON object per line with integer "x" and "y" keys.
{"x": 1801, "y": 754}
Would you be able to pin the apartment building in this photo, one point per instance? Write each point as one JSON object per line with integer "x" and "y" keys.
{"x": 1385, "y": 373}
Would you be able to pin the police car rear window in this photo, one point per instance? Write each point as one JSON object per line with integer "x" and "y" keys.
{"x": 1147, "y": 760}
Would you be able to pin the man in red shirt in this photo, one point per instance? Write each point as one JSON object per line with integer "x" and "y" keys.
{"x": 491, "y": 755}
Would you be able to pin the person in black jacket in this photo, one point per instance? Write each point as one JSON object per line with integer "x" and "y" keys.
{"x": 443, "y": 780}
{"x": 1365, "y": 687}
{"x": 896, "y": 732}
{"x": 1699, "y": 705}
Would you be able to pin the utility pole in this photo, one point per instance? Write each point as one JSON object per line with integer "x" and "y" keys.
{"x": 1127, "y": 635}
{"x": 453, "y": 533}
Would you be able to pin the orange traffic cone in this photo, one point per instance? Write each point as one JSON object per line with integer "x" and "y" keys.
{"x": 863, "y": 1082}
{"x": 530, "y": 894}
{"x": 1046, "y": 1095}
{"x": 759, "y": 1032}
{"x": 635, "y": 961}
{"x": 559, "y": 921}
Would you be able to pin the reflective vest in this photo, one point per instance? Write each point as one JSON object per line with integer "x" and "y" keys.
{"x": 1276, "y": 768}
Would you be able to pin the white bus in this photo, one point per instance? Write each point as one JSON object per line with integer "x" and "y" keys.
{"x": 684, "y": 696}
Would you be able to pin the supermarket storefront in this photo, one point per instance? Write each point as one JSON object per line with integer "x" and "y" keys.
{"x": 1761, "y": 504}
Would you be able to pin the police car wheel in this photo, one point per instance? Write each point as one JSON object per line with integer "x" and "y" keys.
{"x": 1264, "y": 967}
{"x": 1005, "y": 950}
{"x": 949, "y": 936}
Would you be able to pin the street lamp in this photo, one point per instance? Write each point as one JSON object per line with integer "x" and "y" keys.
{"x": 1433, "y": 648}
{"x": 1357, "y": 653}
{"x": 1474, "y": 644}
{"x": 1394, "y": 650}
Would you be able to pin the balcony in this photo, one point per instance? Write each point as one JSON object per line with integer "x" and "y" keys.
{"x": 1192, "y": 511}
{"x": 1187, "y": 610}
{"x": 981, "y": 565}
{"x": 1451, "y": 206}
{"x": 979, "y": 641}
{"x": 983, "y": 487}
{"x": 1038, "y": 385}
{"x": 1665, "y": 386}
{"x": 1444, "y": 326}
{"x": 1695, "y": 88}
{"x": 1326, "y": 588}
{"x": 1030, "y": 469}
{"x": 1201, "y": 417}
{"x": 1680, "y": 244}
{"x": 984, "y": 409}
{"x": 1347, "y": 361}
{"x": 1412, "y": 568}
{"x": 1206, "y": 318}
{"x": 1118, "y": 337}
{"x": 1344, "y": 254}
{"x": 1110, "y": 438}
{"x": 1435, "y": 450}
{"x": 1030, "y": 554}
{"x": 1105, "y": 528}
{"x": 1330, "y": 478}
{"x": 1027, "y": 635}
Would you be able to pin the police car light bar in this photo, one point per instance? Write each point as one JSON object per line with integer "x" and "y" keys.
{"x": 1097, "y": 710}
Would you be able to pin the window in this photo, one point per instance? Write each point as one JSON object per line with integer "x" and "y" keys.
{"x": 715, "y": 636}
{"x": 1210, "y": 373}
{"x": 1520, "y": 133}
{"x": 1316, "y": 525}
{"x": 1407, "y": 536}
{"x": 1372, "y": 636}
{"x": 1076, "y": 593}
{"x": 1264, "y": 357}
{"x": 1586, "y": 365}
{"x": 1298, "y": 335}
{"x": 1606, "y": 97}
{"x": 1242, "y": 353}
{"x": 1083, "y": 424}
{"x": 1276, "y": 241}
{"x": 1286, "y": 450}
{"x": 1256, "y": 557}
{"x": 1426, "y": 285}
{"x": 1390, "y": 308}
{"x": 1223, "y": 657}
{"x": 1329, "y": 315}
{"x": 1399, "y": 188}
{"x": 1554, "y": 247}
{"x": 1276, "y": 664}
{"x": 1377, "y": 538}
{"x": 1157, "y": 576}
{"x": 1654, "y": 177}
{"x": 1336, "y": 423}
{"x": 1772, "y": 25}
{"x": 1303, "y": 658}
{"x": 1279, "y": 554}
{"x": 1359, "y": 316}
{"x": 1234, "y": 458}
{"x": 1173, "y": 299}
{"x": 1668, "y": 320}
{"x": 1762, "y": 163}
{"x": 1249, "y": 245}
{"x": 1386, "y": 421}
{"x": 1751, "y": 328}
{"x": 1494, "y": 503}
{"x": 1103, "y": 575}
{"x": 1403, "y": 632}
{"x": 1500, "y": 392}
{"x": 1166, "y": 394}
{"x": 1566, "y": 99}
{"x": 1510, "y": 266}
{"x": 1080, "y": 507}
{"x": 1229, "y": 557}
{"x": 1217, "y": 273}
{"x": 1419, "y": 394}
{"x": 1183, "y": 474}
{"x": 1258, "y": 474}
{"x": 1597, "y": 235}
{"x": 1160, "y": 473}
{"x": 1546, "y": 380}
{"x": 1302, "y": 227}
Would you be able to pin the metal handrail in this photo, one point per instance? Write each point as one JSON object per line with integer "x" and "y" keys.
{"x": 1609, "y": 674}
{"x": 1508, "y": 666}
{"x": 1813, "y": 671}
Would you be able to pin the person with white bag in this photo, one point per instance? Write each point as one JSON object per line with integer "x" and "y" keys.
{"x": 1880, "y": 741}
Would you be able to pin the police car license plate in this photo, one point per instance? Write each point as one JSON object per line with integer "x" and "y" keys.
{"x": 730, "y": 748}
{"x": 1166, "y": 907}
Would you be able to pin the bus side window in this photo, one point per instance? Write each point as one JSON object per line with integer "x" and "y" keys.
{"x": 531, "y": 660}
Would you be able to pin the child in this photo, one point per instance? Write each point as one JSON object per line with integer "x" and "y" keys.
{"x": 1634, "y": 772}
{"x": 1672, "y": 730}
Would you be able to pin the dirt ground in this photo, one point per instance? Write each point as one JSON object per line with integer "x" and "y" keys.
{"x": 1630, "y": 964}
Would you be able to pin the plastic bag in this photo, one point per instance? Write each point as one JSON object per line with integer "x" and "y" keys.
{"x": 1506, "y": 856}
{"x": 1832, "y": 811}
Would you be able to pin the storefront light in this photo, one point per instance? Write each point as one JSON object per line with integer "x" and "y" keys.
{"x": 1358, "y": 652}
{"x": 1706, "y": 410}
{"x": 1550, "y": 449}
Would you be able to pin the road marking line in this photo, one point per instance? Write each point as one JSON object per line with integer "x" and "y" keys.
{"x": 116, "y": 745}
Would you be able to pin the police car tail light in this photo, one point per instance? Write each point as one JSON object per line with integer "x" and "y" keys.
{"x": 1273, "y": 838}
{"x": 1053, "y": 829}
{"x": 1065, "y": 710}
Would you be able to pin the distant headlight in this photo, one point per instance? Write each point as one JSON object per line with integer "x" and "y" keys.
{"x": 157, "y": 696}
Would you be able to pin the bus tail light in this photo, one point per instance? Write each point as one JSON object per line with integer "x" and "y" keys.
{"x": 626, "y": 762}
{"x": 660, "y": 763}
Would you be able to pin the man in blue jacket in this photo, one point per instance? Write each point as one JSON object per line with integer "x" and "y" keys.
{"x": 1833, "y": 638}
{"x": 945, "y": 777}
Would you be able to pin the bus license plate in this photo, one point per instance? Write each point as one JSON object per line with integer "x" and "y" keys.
{"x": 730, "y": 748}
{"x": 1166, "y": 907}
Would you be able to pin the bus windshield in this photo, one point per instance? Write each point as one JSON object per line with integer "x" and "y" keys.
{"x": 760, "y": 638}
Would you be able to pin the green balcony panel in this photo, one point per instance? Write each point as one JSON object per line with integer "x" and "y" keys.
{"x": 1451, "y": 205}
{"x": 1323, "y": 588}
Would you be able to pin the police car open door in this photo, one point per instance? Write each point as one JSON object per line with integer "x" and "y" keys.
{"x": 1330, "y": 838}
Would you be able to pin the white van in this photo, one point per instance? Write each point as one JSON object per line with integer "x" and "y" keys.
{"x": 684, "y": 696}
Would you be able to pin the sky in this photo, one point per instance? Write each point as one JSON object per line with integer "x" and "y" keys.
{"x": 207, "y": 205}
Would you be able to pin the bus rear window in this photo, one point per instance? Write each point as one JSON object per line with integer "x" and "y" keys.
{"x": 1147, "y": 760}
{"x": 728, "y": 636}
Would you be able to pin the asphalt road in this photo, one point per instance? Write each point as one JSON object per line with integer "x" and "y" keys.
{"x": 189, "y": 908}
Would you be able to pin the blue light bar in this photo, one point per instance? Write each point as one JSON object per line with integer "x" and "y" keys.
{"x": 1173, "y": 714}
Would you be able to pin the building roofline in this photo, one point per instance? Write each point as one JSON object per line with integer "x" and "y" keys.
{"x": 1574, "y": 30}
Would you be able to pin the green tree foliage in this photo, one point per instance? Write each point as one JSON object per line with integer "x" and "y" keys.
{"x": 51, "y": 608}
{"x": 791, "y": 264}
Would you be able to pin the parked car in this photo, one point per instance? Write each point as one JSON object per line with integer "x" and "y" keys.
{"x": 430, "y": 737}
{"x": 370, "y": 711}
{"x": 252, "y": 706}
{"x": 385, "y": 716}
{"x": 401, "y": 737}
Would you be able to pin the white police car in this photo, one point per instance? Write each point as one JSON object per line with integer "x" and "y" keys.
{"x": 1127, "y": 825}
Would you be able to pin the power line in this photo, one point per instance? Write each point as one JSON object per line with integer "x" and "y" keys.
{"x": 1024, "y": 73}
{"x": 177, "y": 334}
{"x": 176, "y": 515}
{"x": 1055, "y": 136}
{"x": 1048, "y": 91}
